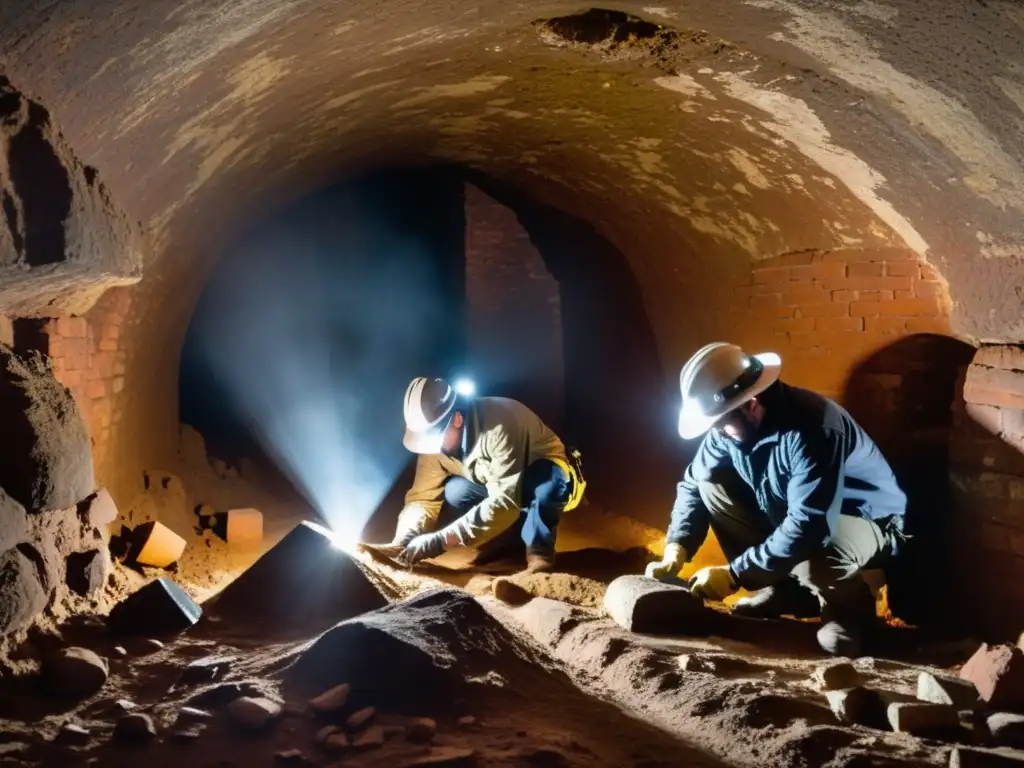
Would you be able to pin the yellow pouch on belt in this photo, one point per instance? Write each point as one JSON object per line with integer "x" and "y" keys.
{"x": 577, "y": 482}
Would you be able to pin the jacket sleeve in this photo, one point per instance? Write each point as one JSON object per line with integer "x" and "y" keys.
{"x": 427, "y": 492}
{"x": 690, "y": 518}
{"x": 500, "y": 509}
{"x": 814, "y": 495}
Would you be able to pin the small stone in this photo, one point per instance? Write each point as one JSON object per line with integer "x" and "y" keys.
{"x": 151, "y": 645}
{"x": 124, "y": 706}
{"x": 921, "y": 718}
{"x": 254, "y": 713}
{"x": 73, "y": 734}
{"x": 337, "y": 741}
{"x": 207, "y": 670}
{"x": 291, "y": 757}
{"x": 325, "y": 733}
{"x": 509, "y": 592}
{"x": 371, "y": 738}
{"x": 359, "y": 720}
{"x": 332, "y": 699}
{"x": 222, "y": 693}
{"x": 448, "y": 757}
{"x": 946, "y": 690}
{"x": 466, "y": 722}
{"x": 1007, "y": 729}
{"x": 75, "y": 672}
{"x": 421, "y": 730}
{"x": 392, "y": 732}
{"x": 120, "y": 650}
{"x": 695, "y": 662}
{"x": 857, "y": 706}
{"x": 135, "y": 728}
{"x": 190, "y": 715}
{"x": 191, "y": 733}
{"x": 997, "y": 671}
{"x": 834, "y": 677}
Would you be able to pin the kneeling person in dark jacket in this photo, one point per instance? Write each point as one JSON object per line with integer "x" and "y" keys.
{"x": 799, "y": 497}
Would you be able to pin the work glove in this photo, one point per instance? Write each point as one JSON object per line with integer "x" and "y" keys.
{"x": 713, "y": 583}
{"x": 423, "y": 547}
{"x": 670, "y": 564}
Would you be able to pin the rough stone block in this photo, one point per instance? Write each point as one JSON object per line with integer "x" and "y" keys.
{"x": 858, "y": 706}
{"x": 244, "y": 528}
{"x": 160, "y": 607}
{"x": 22, "y": 595}
{"x": 1007, "y": 729}
{"x": 997, "y": 671}
{"x": 649, "y": 606}
{"x": 832, "y": 677}
{"x": 937, "y": 689}
{"x": 304, "y": 580}
{"x": 155, "y": 544}
{"x": 922, "y": 718}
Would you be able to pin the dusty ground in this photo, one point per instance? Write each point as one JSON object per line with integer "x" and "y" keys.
{"x": 552, "y": 682}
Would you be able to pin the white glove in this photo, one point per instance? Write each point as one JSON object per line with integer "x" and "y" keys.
{"x": 670, "y": 564}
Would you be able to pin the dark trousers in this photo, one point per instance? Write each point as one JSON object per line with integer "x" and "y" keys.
{"x": 545, "y": 493}
{"x": 833, "y": 574}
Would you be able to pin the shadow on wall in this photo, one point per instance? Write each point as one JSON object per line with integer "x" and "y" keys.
{"x": 902, "y": 396}
{"x": 618, "y": 409}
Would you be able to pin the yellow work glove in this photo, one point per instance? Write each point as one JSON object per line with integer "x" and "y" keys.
{"x": 670, "y": 564}
{"x": 713, "y": 583}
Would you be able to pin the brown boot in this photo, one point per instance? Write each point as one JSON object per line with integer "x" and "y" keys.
{"x": 540, "y": 562}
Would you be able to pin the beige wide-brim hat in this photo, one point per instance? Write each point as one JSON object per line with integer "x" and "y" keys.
{"x": 713, "y": 383}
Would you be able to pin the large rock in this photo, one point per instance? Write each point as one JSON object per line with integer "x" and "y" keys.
{"x": 304, "y": 582}
{"x": 22, "y": 595}
{"x": 45, "y": 454}
{"x": 160, "y": 607}
{"x": 14, "y": 525}
{"x": 75, "y": 673}
{"x": 922, "y": 718}
{"x": 997, "y": 671}
{"x": 648, "y": 606}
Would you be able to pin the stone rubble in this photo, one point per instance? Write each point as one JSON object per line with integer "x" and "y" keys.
{"x": 421, "y": 730}
{"x": 1006, "y": 729}
{"x": 254, "y": 713}
{"x": 371, "y": 738}
{"x": 836, "y": 676}
{"x": 997, "y": 671}
{"x": 135, "y": 728}
{"x": 922, "y": 718}
{"x": 332, "y": 699}
{"x": 75, "y": 672}
{"x": 359, "y": 720}
{"x": 946, "y": 690}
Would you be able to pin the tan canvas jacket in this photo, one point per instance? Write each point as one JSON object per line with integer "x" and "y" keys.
{"x": 504, "y": 438}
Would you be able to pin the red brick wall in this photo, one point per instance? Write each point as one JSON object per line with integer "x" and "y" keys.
{"x": 87, "y": 359}
{"x": 513, "y": 310}
{"x": 824, "y": 312}
{"x": 987, "y": 452}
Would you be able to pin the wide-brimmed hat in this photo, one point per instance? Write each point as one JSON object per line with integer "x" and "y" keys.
{"x": 429, "y": 408}
{"x": 719, "y": 378}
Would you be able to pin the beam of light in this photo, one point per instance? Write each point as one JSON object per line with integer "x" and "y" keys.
{"x": 315, "y": 344}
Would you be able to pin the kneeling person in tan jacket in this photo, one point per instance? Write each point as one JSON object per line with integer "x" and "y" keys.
{"x": 492, "y": 462}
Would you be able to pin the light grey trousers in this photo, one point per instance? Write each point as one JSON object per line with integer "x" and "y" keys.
{"x": 833, "y": 574}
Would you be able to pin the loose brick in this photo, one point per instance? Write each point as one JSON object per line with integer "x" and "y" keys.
{"x": 902, "y": 269}
{"x": 910, "y": 307}
{"x": 997, "y": 671}
{"x": 831, "y": 677}
{"x": 865, "y": 269}
{"x": 903, "y": 295}
{"x": 926, "y": 289}
{"x": 838, "y": 324}
{"x": 873, "y": 295}
{"x": 920, "y": 718}
{"x": 771, "y": 275}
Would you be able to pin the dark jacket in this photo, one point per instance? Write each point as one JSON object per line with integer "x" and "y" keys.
{"x": 809, "y": 463}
